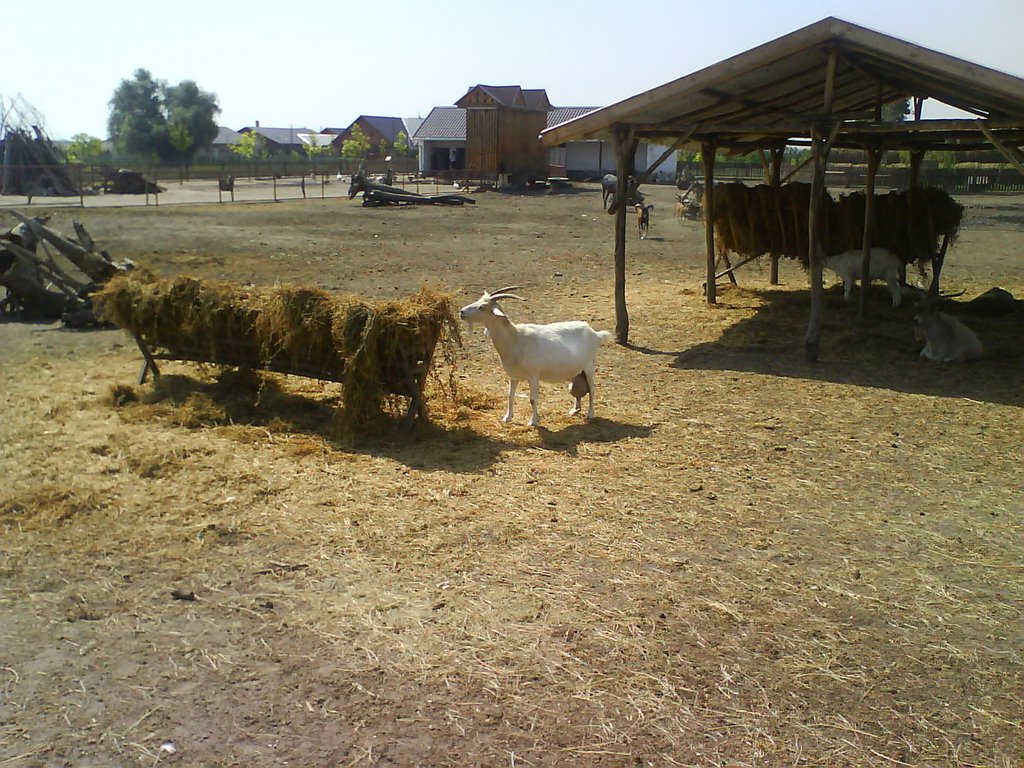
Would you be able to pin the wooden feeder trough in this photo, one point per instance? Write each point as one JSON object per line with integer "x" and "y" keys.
{"x": 374, "y": 350}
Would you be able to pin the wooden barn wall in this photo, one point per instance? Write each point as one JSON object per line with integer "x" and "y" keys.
{"x": 506, "y": 141}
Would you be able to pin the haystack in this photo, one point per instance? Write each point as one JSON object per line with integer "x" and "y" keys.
{"x": 373, "y": 349}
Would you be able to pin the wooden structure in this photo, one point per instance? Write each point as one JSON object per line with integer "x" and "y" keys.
{"x": 502, "y": 128}
{"x": 822, "y": 87}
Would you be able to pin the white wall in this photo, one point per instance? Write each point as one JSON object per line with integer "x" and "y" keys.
{"x": 598, "y": 157}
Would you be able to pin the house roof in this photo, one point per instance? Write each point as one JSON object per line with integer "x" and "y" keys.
{"x": 317, "y": 139}
{"x": 278, "y": 135}
{"x": 505, "y": 96}
{"x": 388, "y": 127}
{"x": 560, "y": 115}
{"x": 775, "y": 92}
{"x": 226, "y": 136}
{"x": 443, "y": 123}
{"x": 412, "y": 124}
{"x": 450, "y": 122}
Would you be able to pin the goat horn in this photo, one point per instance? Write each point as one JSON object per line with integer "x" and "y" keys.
{"x": 506, "y": 288}
{"x": 503, "y": 295}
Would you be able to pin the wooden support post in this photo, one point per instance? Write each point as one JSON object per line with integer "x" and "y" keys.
{"x": 937, "y": 262}
{"x": 916, "y": 157}
{"x": 707, "y": 153}
{"x": 874, "y": 157}
{"x": 775, "y": 180}
{"x": 812, "y": 340}
{"x": 625, "y": 149}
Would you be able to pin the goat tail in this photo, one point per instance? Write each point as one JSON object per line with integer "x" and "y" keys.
{"x": 605, "y": 336}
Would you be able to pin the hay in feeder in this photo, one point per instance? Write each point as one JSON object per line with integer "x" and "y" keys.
{"x": 374, "y": 350}
{"x": 753, "y": 221}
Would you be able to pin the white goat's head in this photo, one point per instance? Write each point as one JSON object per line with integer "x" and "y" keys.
{"x": 487, "y": 306}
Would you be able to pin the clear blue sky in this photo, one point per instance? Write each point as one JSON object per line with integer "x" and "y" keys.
{"x": 319, "y": 64}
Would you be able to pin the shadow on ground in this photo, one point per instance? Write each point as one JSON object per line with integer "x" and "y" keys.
{"x": 880, "y": 352}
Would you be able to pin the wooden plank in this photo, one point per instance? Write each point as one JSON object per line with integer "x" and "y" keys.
{"x": 625, "y": 151}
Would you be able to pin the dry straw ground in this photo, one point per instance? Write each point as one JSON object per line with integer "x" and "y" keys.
{"x": 745, "y": 560}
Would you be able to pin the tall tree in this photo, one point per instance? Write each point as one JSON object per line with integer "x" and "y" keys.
{"x": 188, "y": 105}
{"x": 356, "y": 146}
{"x": 137, "y": 123}
{"x": 143, "y": 110}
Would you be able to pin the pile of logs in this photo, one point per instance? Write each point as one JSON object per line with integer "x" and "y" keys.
{"x": 381, "y": 194}
{"x": 124, "y": 181}
{"x": 42, "y": 284}
{"x": 32, "y": 165}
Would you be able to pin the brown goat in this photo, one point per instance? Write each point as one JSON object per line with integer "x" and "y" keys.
{"x": 643, "y": 218}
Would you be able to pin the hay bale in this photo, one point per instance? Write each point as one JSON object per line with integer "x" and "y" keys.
{"x": 370, "y": 348}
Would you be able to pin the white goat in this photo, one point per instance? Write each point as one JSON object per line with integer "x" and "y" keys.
{"x": 947, "y": 340}
{"x": 553, "y": 352}
{"x": 885, "y": 265}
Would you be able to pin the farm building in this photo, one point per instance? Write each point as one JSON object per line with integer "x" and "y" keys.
{"x": 442, "y": 139}
{"x": 223, "y": 141}
{"x": 277, "y": 141}
{"x": 381, "y": 131}
{"x": 822, "y": 87}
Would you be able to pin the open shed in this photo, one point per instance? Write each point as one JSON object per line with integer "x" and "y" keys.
{"x": 822, "y": 86}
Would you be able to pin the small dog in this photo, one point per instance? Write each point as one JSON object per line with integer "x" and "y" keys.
{"x": 643, "y": 218}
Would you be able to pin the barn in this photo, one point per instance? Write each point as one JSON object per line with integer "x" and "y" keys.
{"x": 820, "y": 87}
{"x": 502, "y": 125}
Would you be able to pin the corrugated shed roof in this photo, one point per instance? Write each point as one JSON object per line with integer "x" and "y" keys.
{"x": 560, "y": 115}
{"x": 443, "y": 123}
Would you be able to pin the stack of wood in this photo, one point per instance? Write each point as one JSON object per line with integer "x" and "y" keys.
{"x": 34, "y": 166}
{"x": 41, "y": 284}
{"x": 375, "y": 194}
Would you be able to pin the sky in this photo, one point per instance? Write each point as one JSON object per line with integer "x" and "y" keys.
{"x": 322, "y": 64}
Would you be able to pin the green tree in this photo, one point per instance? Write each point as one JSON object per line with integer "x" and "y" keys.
{"x": 402, "y": 144}
{"x": 188, "y": 105}
{"x": 84, "y": 148}
{"x": 357, "y": 146}
{"x": 248, "y": 146}
{"x": 896, "y": 111}
{"x": 143, "y": 110}
{"x": 182, "y": 141}
{"x": 314, "y": 148}
{"x": 137, "y": 123}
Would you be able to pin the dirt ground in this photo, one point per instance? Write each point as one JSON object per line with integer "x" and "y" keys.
{"x": 744, "y": 560}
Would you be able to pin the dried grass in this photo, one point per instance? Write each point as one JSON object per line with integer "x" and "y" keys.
{"x": 370, "y": 348}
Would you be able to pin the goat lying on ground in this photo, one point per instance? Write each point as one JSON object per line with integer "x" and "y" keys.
{"x": 885, "y": 265}
{"x": 553, "y": 352}
{"x": 947, "y": 340}
{"x": 643, "y": 218}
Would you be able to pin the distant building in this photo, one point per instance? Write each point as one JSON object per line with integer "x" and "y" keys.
{"x": 222, "y": 143}
{"x": 278, "y": 141}
{"x": 382, "y": 132}
{"x": 443, "y": 138}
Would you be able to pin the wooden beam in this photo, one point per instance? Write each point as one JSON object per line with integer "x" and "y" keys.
{"x": 1012, "y": 154}
{"x": 708, "y": 160}
{"x": 662, "y": 158}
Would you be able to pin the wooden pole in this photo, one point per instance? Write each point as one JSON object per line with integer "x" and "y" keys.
{"x": 874, "y": 157}
{"x": 625, "y": 148}
{"x": 812, "y": 339}
{"x": 707, "y": 153}
{"x": 775, "y": 180}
